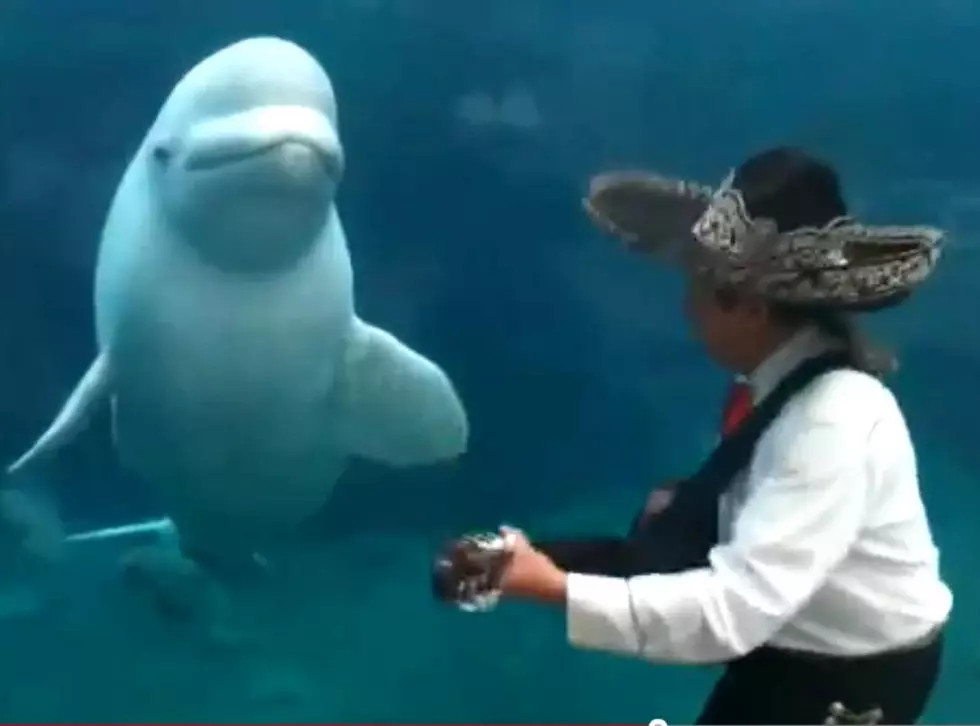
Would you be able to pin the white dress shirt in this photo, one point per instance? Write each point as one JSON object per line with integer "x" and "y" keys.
{"x": 825, "y": 546}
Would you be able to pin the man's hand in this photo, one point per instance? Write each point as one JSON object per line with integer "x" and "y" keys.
{"x": 660, "y": 498}
{"x": 529, "y": 573}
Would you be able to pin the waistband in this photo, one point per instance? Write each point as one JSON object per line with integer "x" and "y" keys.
{"x": 933, "y": 638}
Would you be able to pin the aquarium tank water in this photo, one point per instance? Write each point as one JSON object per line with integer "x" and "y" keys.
{"x": 471, "y": 130}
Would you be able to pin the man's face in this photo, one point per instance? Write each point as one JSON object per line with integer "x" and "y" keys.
{"x": 730, "y": 330}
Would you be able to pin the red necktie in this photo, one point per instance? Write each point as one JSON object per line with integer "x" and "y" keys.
{"x": 738, "y": 405}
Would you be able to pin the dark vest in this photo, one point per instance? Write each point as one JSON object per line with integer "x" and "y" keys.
{"x": 680, "y": 537}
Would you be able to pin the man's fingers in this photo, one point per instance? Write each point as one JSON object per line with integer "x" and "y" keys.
{"x": 513, "y": 536}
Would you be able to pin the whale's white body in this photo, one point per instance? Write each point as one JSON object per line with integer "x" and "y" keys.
{"x": 223, "y": 387}
{"x": 240, "y": 377}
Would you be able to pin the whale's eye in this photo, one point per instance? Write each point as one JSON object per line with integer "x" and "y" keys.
{"x": 162, "y": 153}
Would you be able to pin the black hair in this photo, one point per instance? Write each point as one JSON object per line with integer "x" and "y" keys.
{"x": 795, "y": 190}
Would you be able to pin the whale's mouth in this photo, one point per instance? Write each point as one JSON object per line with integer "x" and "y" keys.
{"x": 251, "y": 191}
{"x": 292, "y": 150}
{"x": 292, "y": 137}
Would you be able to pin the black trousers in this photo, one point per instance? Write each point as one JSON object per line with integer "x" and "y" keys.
{"x": 772, "y": 686}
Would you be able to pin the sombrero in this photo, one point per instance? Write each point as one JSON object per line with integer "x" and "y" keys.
{"x": 844, "y": 264}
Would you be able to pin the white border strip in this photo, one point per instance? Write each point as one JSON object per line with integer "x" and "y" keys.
{"x": 152, "y": 526}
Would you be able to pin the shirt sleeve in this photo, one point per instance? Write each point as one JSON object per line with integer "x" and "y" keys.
{"x": 805, "y": 506}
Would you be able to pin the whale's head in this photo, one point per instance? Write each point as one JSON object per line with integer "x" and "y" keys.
{"x": 244, "y": 159}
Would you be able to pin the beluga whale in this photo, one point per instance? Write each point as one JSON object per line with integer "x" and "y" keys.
{"x": 240, "y": 378}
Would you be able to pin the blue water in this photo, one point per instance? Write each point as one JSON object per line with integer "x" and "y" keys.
{"x": 581, "y": 381}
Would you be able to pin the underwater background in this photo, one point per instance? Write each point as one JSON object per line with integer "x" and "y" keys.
{"x": 471, "y": 130}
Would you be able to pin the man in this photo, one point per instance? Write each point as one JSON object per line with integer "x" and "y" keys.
{"x": 800, "y": 552}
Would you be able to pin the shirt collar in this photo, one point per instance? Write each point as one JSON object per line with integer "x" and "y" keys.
{"x": 808, "y": 343}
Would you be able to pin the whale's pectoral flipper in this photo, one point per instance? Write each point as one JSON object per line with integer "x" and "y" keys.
{"x": 94, "y": 388}
{"x": 394, "y": 406}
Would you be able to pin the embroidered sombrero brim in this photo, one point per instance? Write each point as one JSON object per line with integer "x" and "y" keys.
{"x": 648, "y": 213}
{"x": 845, "y": 264}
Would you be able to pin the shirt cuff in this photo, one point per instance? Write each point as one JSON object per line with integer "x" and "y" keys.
{"x": 599, "y": 615}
